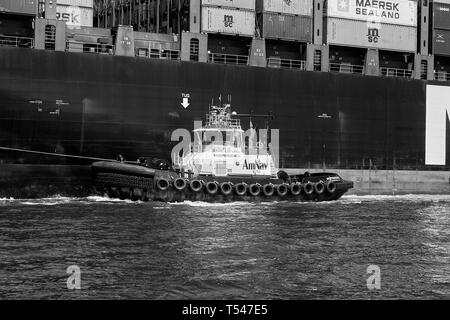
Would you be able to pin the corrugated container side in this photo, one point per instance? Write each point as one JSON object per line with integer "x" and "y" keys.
{"x": 19, "y": 6}
{"x": 362, "y": 34}
{"x": 441, "y": 15}
{"x": 229, "y": 21}
{"x": 441, "y": 42}
{"x": 400, "y": 12}
{"x": 277, "y": 26}
{"x": 150, "y": 36}
{"x": 240, "y": 4}
{"x": 75, "y": 16}
{"x": 77, "y": 3}
{"x": 142, "y": 44}
{"x": 297, "y": 7}
{"x": 90, "y": 31}
{"x": 85, "y": 38}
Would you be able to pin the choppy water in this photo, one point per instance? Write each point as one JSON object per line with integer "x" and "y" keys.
{"x": 233, "y": 251}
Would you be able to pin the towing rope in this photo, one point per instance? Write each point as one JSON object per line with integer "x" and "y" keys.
{"x": 56, "y": 154}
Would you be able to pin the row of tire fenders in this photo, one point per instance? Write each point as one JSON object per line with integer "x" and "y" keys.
{"x": 242, "y": 188}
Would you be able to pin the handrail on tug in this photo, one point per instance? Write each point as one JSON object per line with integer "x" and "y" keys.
{"x": 223, "y": 110}
{"x": 269, "y": 116}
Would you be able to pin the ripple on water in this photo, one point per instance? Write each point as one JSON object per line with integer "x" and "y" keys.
{"x": 221, "y": 251}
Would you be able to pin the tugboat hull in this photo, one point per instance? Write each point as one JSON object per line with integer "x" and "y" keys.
{"x": 140, "y": 183}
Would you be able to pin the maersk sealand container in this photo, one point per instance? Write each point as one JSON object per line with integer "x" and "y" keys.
{"x": 76, "y": 13}
{"x": 365, "y": 24}
{"x": 76, "y": 3}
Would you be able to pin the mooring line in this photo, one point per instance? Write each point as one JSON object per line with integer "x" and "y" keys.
{"x": 56, "y": 154}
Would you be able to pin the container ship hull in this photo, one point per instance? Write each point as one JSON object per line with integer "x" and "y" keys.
{"x": 131, "y": 106}
{"x": 115, "y": 105}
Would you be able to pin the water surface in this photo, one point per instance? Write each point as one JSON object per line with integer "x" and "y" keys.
{"x": 228, "y": 251}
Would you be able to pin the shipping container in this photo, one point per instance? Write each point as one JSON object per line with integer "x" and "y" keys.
{"x": 229, "y": 21}
{"x": 240, "y": 4}
{"x": 400, "y": 12}
{"x": 441, "y": 15}
{"x": 90, "y": 31}
{"x": 371, "y": 35}
{"x": 288, "y": 27}
{"x": 77, "y": 3}
{"x": 16, "y": 26}
{"x": 75, "y": 16}
{"x": 296, "y": 7}
{"x": 28, "y": 7}
{"x": 441, "y": 42}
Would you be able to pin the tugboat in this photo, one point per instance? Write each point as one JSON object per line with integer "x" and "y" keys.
{"x": 212, "y": 170}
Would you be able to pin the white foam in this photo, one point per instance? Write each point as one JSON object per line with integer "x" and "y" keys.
{"x": 233, "y": 204}
{"x": 59, "y": 200}
{"x": 406, "y": 197}
{"x": 209, "y": 204}
{"x": 108, "y": 200}
{"x": 346, "y": 199}
{"x": 7, "y": 199}
{"x": 51, "y": 201}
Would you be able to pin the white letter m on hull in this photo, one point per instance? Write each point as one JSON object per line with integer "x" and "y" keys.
{"x": 438, "y": 110}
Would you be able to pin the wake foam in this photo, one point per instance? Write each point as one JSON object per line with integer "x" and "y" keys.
{"x": 394, "y": 198}
{"x": 346, "y": 199}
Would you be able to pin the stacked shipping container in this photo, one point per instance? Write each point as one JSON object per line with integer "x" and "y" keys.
{"x": 387, "y": 25}
{"x": 236, "y": 17}
{"x": 287, "y": 20}
{"x": 28, "y": 7}
{"x": 441, "y": 27}
{"x": 75, "y": 13}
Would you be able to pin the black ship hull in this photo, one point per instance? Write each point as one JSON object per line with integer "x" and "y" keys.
{"x": 131, "y": 106}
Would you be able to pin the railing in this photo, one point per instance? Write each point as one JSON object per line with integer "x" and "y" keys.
{"x": 49, "y": 44}
{"x": 158, "y": 54}
{"x": 286, "y": 63}
{"x": 442, "y": 75}
{"x": 20, "y": 42}
{"x": 98, "y": 48}
{"x": 170, "y": 54}
{"x": 346, "y": 68}
{"x": 227, "y": 58}
{"x": 212, "y": 121}
{"x": 394, "y": 72}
